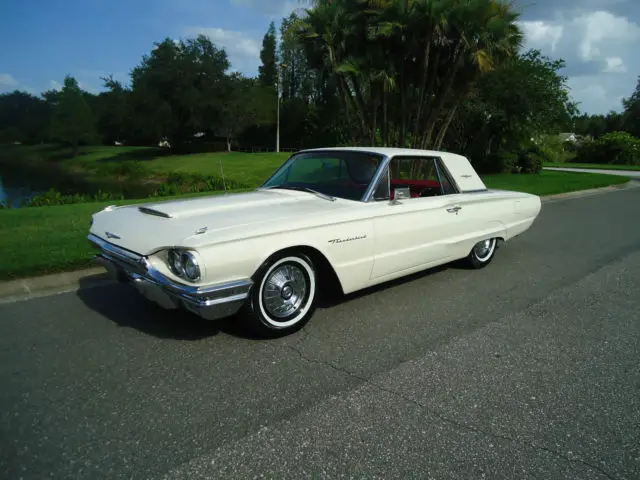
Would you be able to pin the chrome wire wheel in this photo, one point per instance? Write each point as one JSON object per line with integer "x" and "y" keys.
{"x": 484, "y": 250}
{"x": 286, "y": 290}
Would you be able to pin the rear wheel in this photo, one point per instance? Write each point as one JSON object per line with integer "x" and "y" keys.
{"x": 284, "y": 295}
{"x": 482, "y": 253}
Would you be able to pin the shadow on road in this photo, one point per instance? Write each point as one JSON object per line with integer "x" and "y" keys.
{"x": 124, "y": 306}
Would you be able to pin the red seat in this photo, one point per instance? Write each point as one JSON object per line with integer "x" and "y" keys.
{"x": 415, "y": 186}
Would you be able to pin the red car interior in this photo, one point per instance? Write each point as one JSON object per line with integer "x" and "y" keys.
{"x": 415, "y": 186}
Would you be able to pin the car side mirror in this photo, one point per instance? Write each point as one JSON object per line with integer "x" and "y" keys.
{"x": 400, "y": 193}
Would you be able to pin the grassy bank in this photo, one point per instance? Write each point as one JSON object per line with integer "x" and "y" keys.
{"x": 598, "y": 166}
{"x": 38, "y": 240}
{"x": 132, "y": 172}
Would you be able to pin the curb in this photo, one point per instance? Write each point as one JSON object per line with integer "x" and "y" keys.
{"x": 591, "y": 191}
{"x": 45, "y": 285}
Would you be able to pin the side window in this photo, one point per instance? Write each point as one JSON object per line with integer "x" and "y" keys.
{"x": 422, "y": 176}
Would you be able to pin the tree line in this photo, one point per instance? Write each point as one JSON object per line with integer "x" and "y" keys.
{"x": 438, "y": 74}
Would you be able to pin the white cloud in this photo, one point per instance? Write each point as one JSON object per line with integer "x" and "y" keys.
{"x": 274, "y": 8}
{"x": 541, "y": 34}
{"x": 603, "y": 31}
{"x": 54, "y": 85}
{"x": 615, "y": 65}
{"x": 599, "y": 48}
{"x": 7, "y": 80}
{"x": 242, "y": 48}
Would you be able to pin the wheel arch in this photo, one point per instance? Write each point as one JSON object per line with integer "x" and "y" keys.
{"x": 327, "y": 276}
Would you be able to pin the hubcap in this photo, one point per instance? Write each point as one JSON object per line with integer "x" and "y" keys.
{"x": 483, "y": 249}
{"x": 285, "y": 291}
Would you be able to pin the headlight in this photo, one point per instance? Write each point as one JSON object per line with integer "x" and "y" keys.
{"x": 191, "y": 267}
{"x": 184, "y": 264}
{"x": 175, "y": 263}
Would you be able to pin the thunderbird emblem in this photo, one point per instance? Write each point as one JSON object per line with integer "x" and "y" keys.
{"x": 111, "y": 235}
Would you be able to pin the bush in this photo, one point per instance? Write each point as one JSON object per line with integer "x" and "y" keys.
{"x": 500, "y": 162}
{"x": 552, "y": 149}
{"x": 619, "y": 148}
{"x": 54, "y": 197}
{"x": 178, "y": 183}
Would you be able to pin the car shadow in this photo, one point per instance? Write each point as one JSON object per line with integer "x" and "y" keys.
{"x": 124, "y": 306}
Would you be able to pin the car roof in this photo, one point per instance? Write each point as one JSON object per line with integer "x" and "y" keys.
{"x": 388, "y": 151}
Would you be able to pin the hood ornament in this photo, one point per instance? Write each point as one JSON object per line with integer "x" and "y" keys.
{"x": 201, "y": 230}
{"x": 111, "y": 235}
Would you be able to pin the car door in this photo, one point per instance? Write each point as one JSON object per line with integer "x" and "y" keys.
{"x": 416, "y": 232}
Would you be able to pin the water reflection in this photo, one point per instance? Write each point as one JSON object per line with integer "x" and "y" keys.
{"x": 14, "y": 196}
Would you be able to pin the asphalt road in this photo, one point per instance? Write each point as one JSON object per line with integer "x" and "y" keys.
{"x": 529, "y": 368}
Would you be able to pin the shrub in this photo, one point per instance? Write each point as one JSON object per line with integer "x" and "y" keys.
{"x": 529, "y": 162}
{"x": 619, "y": 148}
{"x": 551, "y": 148}
{"x": 499, "y": 162}
{"x": 179, "y": 182}
{"x": 54, "y": 197}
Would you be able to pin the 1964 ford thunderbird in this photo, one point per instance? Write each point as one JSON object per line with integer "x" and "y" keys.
{"x": 334, "y": 217}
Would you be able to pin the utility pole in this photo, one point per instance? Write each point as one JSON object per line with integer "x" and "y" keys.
{"x": 279, "y": 84}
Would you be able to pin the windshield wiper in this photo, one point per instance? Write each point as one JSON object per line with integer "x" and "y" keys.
{"x": 304, "y": 189}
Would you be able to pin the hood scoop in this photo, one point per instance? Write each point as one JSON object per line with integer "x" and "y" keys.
{"x": 151, "y": 211}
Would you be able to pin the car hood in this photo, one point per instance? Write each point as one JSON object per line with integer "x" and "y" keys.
{"x": 145, "y": 228}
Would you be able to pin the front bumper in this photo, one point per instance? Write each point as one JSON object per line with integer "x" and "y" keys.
{"x": 211, "y": 302}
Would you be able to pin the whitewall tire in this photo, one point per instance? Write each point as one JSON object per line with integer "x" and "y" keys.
{"x": 283, "y": 297}
{"x": 482, "y": 253}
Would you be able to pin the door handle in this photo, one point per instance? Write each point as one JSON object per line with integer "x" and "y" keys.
{"x": 454, "y": 209}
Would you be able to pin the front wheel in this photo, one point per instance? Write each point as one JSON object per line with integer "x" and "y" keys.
{"x": 284, "y": 295}
{"x": 482, "y": 253}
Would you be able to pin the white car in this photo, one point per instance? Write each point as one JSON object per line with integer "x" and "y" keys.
{"x": 332, "y": 217}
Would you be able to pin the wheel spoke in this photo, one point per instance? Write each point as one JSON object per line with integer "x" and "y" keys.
{"x": 285, "y": 291}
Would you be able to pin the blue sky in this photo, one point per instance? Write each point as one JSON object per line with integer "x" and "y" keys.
{"x": 41, "y": 41}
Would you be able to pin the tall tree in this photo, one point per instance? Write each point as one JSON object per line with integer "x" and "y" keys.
{"x": 114, "y": 111}
{"x": 247, "y": 103}
{"x": 23, "y": 117}
{"x": 178, "y": 90}
{"x": 402, "y": 67}
{"x": 73, "y": 121}
{"x": 631, "y": 114}
{"x": 297, "y": 78}
{"x": 268, "y": 71}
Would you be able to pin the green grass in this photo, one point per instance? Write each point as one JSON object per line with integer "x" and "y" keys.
{"x": 593, "y": 165}
{"x": 551, "y": 182}
{"x": 39, "y": 240}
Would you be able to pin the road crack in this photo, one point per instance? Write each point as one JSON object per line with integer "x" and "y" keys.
{"x": 492, "y": 434}
{"x": 443, "y": 418}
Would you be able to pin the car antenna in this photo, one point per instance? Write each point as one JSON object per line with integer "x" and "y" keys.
{"x": 224, "y": 186}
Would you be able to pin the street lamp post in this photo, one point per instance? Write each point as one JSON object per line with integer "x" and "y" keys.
{"x": 279, "y": 84}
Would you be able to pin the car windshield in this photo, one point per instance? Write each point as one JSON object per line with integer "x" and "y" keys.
{"x": 342, "y": 174}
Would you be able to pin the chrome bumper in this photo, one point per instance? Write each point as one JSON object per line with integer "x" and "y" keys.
{"x": 211, "y": 302}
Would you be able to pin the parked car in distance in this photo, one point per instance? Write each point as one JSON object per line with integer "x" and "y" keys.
{"x": 344, "y": 218}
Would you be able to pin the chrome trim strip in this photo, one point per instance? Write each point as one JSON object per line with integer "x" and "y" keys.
{"x": 141, "y": 267}
{"x": 368, "y": 194}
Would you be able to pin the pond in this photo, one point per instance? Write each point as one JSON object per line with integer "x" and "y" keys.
{"x": 14, "y": 196}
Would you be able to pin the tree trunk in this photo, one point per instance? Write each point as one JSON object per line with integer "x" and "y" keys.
{"x": 445, "y": 127}
{"x": 360, "y": 106}
{"x": 385, "y": 123}
{"x": 435, "y": 111}
{"x": 421, "y": 93}
{"x": 228, "y": 143}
